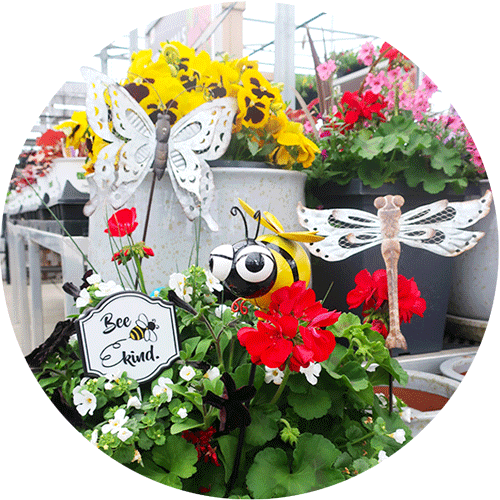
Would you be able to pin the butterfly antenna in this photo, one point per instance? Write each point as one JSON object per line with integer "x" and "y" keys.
{"x": 147, "y": 82}
{"x": 257, "y": 217}
{"x": 235, "y": 211}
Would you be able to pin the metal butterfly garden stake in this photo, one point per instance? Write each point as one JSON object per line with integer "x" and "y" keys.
{"x": 437, "y": 227}
{"x": 135, "y": 146}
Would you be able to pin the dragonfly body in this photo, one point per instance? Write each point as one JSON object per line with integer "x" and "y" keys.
{"x": 389, "y": 213}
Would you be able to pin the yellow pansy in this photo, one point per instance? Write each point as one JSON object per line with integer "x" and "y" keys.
{"x": 253, "y": 112}
{"x": 75, "y": 129}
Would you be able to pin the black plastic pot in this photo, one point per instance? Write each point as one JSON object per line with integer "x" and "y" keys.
{"x": 432, "y": 272}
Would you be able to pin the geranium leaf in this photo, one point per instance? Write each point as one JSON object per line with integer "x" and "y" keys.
{"x": 156, "y": 473}
{"x": 177, "y": 456}
{"x": 264, "y": 425}
{"x": 270, "y": 476}
{"x": 314, "y": 403}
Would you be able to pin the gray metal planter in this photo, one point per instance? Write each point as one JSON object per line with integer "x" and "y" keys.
{"x": 428, "y": 383}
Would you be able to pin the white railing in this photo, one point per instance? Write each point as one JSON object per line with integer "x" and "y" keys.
{"x": 28, "y": 311}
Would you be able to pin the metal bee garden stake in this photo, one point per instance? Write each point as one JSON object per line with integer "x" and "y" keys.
{"x": 437, "y": 227}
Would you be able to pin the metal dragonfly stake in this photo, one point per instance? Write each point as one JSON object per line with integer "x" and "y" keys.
{"x": 437, "y": 227}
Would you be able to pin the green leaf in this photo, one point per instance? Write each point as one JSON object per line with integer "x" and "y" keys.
{"x": 367, "y": 148}
{"x": 264, "y": 425}
{"x": 124, "y": 454}
{"x": 314, "y": 403}
{"x": 355, "y": 375}
{"x": 227, "y": 448}
{"x": 201, "y": 349}
{"x": 373, "y": 173}
{"x": 253, "y": 146}
{"x": 271, "y": 476}
{"x": 177, "y": 456}
{"x": 152, "y": 471}
{"x": 184, "y": 425}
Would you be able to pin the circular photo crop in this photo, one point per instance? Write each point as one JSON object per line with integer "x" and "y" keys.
{"x": 248, "y": 251}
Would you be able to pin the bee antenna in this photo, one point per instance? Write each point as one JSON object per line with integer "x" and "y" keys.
{"x": 234, "y": 212}
{"x": 257, "y": 217}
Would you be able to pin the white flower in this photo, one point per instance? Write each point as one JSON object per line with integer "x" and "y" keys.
{"x": 85, "y": 402}
{"x": 212, "y": 282}
{"x": 177, "y": 283}
{"x": 123, "y": 434}
{"x": 311, "y": 372}
{"x": 382, "y": 455}
{"x": 274, "y": 375}
{"x": 107, "y": 288}
{"x": 406, "y": 414}
{"x": 212, "y": 374}
{"x": 134, "y": 401}
{"x": 221, "y": 309}
{"x": 93, "y": 437}
{"x": 83, "y": 299}
{"x": 112, "y": 378}
{"x": 116, "y": 423}
{"x": 161, "y": 387}
{"x": 93, "y": 279}
{"x": 137, "y": 457}
{"x": 187, "y": 373}
{"x": 398, "y": 436}
{"x": 182, "y": 412}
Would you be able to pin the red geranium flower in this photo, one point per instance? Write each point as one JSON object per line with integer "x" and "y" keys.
{"x": 201, "y": 440}
{"x": 291, "y": 330}
{"x": 379, "y": 326}
{"x": 371, "y": 291}
{"x": 392, "y": 53}
{"x": 410, "y": 301}
{"x": 354, "y": 107}
{"x": 50, "y": 138}
{"x": 122, "y": 223}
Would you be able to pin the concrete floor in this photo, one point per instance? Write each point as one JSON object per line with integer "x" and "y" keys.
{"x": 53, "y": 311}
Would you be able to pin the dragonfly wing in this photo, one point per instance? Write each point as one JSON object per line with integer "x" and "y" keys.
{"x": 345, "y": 231}
{"x": 445, "y": 241}
{"x": 437, "y": 227}
{"x": 459, "y": 214}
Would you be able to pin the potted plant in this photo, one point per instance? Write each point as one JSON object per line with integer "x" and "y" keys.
{"x": 178, "y": 80}
{"x": 264, "y": 404}
{"x": 383, "y": 139}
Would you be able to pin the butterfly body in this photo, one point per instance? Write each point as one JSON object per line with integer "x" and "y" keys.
{"x": 161, "y": 151}
{"x": 135, "y": 146}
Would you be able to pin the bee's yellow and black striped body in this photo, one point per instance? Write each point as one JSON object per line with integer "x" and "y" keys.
{"x": 292, "y": 261}
{"x": 137, "y": 333}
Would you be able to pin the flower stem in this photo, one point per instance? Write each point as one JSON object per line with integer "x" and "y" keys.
{"x": 139, "y": 273}
{"x": 282, "y": 386}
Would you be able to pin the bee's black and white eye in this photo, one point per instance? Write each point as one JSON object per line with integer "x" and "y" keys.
{"x": 221, "y": 261}
{"x": 255, "y": 264}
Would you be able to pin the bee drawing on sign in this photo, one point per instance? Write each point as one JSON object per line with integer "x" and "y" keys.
{"x": 135, "y": 146}
{"x": 144, "y": 329}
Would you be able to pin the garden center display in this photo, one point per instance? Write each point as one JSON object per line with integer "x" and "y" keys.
{"x": 201, "y": 355}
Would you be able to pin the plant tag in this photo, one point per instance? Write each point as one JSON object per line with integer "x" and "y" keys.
{"x": 128, "y": 332}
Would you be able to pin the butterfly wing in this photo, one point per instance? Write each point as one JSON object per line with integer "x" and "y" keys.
{"x": 118, "y": 119}
{"x": 438, "y": 227}
{"x": 345, "y": 231}
{"x": 201, "y": 135}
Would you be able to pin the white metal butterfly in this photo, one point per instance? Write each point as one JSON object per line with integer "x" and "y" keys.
{"x": 437, "y": 227}
{"x": 117, "y": 118}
